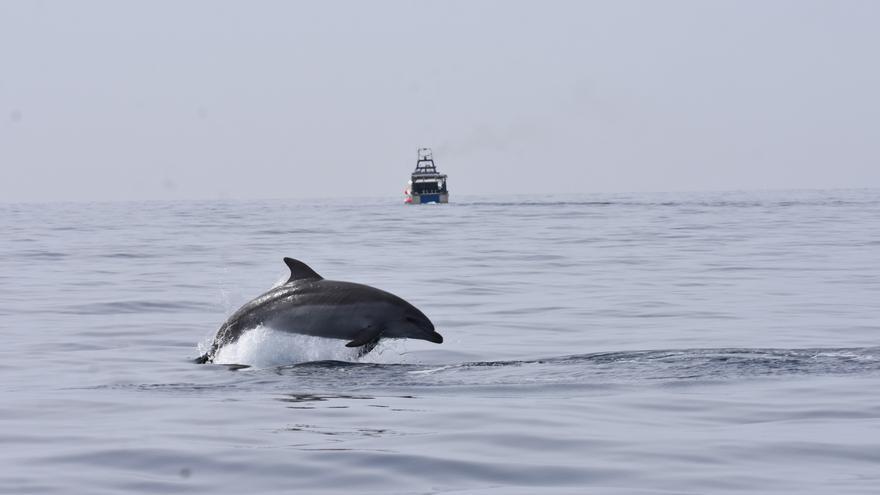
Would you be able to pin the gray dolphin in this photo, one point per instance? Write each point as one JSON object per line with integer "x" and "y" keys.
{"x": 309, "y": 305}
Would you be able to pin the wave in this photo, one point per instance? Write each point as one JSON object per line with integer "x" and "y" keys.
{"x": 594, "y": 369}
{"x": 675, "y": 204}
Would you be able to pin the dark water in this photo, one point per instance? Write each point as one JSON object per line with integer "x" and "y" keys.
{"x": 665, "y": 343}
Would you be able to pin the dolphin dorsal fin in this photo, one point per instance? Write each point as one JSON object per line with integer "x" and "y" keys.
{"x": 300, "y": 271}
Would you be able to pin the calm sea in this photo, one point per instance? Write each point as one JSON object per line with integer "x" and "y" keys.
{"x": 623, "y": 344}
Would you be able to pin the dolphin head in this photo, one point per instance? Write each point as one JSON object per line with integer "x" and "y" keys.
{"x": 411, "y": 323}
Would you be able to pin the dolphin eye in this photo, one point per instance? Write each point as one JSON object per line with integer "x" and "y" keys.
{"x": 411, "y": 319}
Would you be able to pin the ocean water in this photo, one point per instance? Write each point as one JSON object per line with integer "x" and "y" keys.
{"x": 632, "y": 344}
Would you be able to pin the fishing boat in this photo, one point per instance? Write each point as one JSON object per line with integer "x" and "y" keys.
{"x": 426, "y": 184}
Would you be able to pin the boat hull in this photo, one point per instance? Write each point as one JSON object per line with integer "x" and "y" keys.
{"x": 421, "y": 199}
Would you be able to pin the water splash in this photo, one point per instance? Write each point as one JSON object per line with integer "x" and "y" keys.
{"x": 264, "y": 347}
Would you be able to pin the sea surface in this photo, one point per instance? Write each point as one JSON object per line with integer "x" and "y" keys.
{"x": 670, "y": 343}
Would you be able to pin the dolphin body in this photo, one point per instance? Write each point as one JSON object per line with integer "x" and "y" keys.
{"x": 309, "y": 305}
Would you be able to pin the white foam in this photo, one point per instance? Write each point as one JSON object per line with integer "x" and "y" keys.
{"x": 263, "y": 347}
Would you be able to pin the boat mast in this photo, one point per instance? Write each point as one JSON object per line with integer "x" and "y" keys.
{"x": 425, "y": 163}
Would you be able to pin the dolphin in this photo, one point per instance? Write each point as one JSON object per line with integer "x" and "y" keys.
{"x": 309, "y": 305}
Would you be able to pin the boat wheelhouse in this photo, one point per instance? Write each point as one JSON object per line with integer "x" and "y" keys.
{"x": 426, "y": 184}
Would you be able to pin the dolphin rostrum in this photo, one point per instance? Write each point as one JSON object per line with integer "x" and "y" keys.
{"x": 309, "y": 305}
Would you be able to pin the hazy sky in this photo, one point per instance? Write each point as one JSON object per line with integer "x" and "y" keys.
{"x": 250, "y": 99}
